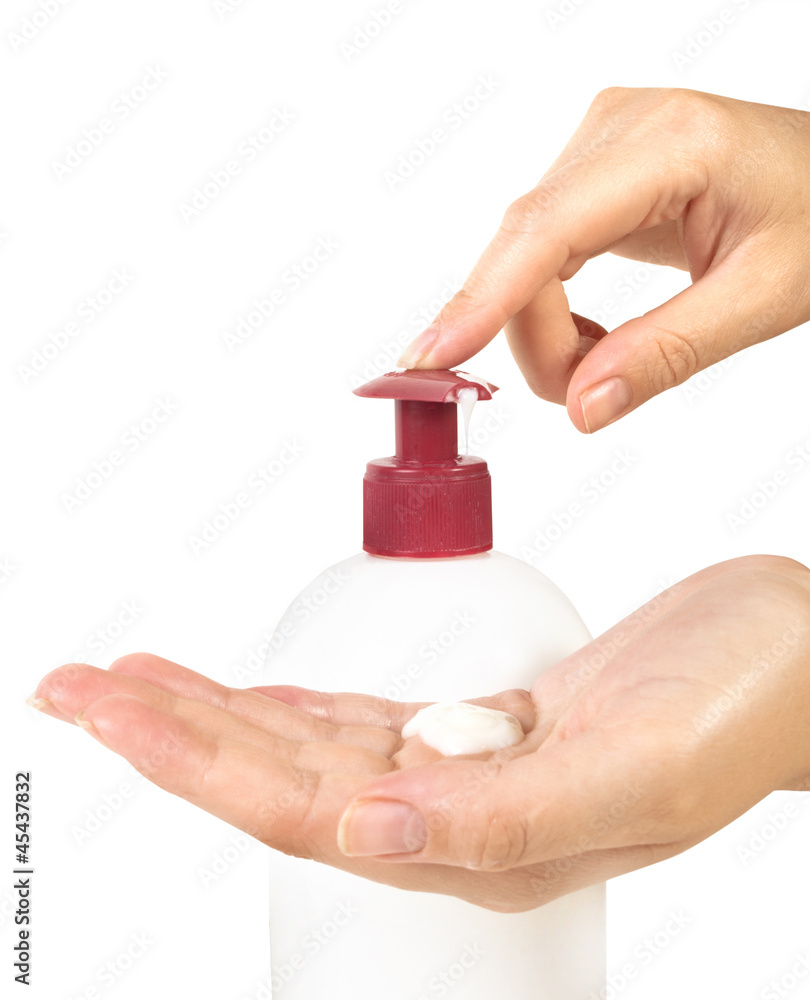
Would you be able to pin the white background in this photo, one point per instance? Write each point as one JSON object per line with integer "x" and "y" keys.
{"x": 698, "y": 451}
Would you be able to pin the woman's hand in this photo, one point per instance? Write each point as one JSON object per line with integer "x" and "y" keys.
{"x": 638, "y": 746}
{"x": 714, "y": 186}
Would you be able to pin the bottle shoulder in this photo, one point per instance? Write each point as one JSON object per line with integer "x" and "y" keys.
{"x": 489, "y": 616}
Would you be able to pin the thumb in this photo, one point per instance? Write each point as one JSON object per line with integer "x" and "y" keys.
{"x": 500, "y": 813}
{"x": 731, "y": 307}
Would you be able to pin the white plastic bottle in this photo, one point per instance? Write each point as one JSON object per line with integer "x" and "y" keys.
{"x": 426, "y": 613}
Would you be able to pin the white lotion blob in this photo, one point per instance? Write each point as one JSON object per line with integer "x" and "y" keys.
{"x": 458, "y": 727}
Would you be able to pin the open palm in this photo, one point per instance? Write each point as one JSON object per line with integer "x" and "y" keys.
{"x": 638, "y": 746}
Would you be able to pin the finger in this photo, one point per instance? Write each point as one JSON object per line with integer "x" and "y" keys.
{"x": 350, "y": 709}
{"x": 733, "y": 306}
{"x": 54, "y": 695}
{"x": 251, "y": 704}
{"x": 506, "y": 812}
{"x": 624, "y": 182}
{"x": 589, "y": 330}
{"x": 548, "y": 341}
{"x": 88, "y": 684}
{"x": 287, "y": 807}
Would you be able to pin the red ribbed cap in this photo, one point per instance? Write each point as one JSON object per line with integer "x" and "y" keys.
{"x": 427, "y": 500}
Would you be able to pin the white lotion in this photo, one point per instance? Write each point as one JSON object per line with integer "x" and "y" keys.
{"x": 467, "y": 398}
{"x": 459, "y": 727}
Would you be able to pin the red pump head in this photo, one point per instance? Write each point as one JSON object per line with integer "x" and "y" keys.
{"x": 427, "y": 501}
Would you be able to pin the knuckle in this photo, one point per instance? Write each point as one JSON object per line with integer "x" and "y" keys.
{"x": 529, "y": 213}
{"x": 689, "y": 110}
{"x": 466, "y": 298}
{"x": 478, "y": 290}
{"x": 758, "y": 563}
{"x": 607, "y": 99}
{"x": 543, "y": 389}
{"x": 780, "y": 579}
{"x": 498, "y": 844}
{"x": 383, "y": 712}
{"x": 675, "y": 359}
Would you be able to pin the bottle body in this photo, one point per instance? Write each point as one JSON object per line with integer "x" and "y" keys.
{"x": 425, "y": 630}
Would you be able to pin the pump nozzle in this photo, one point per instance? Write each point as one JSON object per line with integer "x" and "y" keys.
{"x": 427, "y": 500}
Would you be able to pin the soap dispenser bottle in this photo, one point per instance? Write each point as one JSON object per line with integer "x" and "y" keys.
{"x": 427, "y": 612}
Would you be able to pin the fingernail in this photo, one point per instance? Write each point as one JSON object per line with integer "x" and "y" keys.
{"x": 419, "y": 348}
{"x": 40, "y": 704}
{"x": 378, "y": 826}
{"x": 603, "y": 403}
